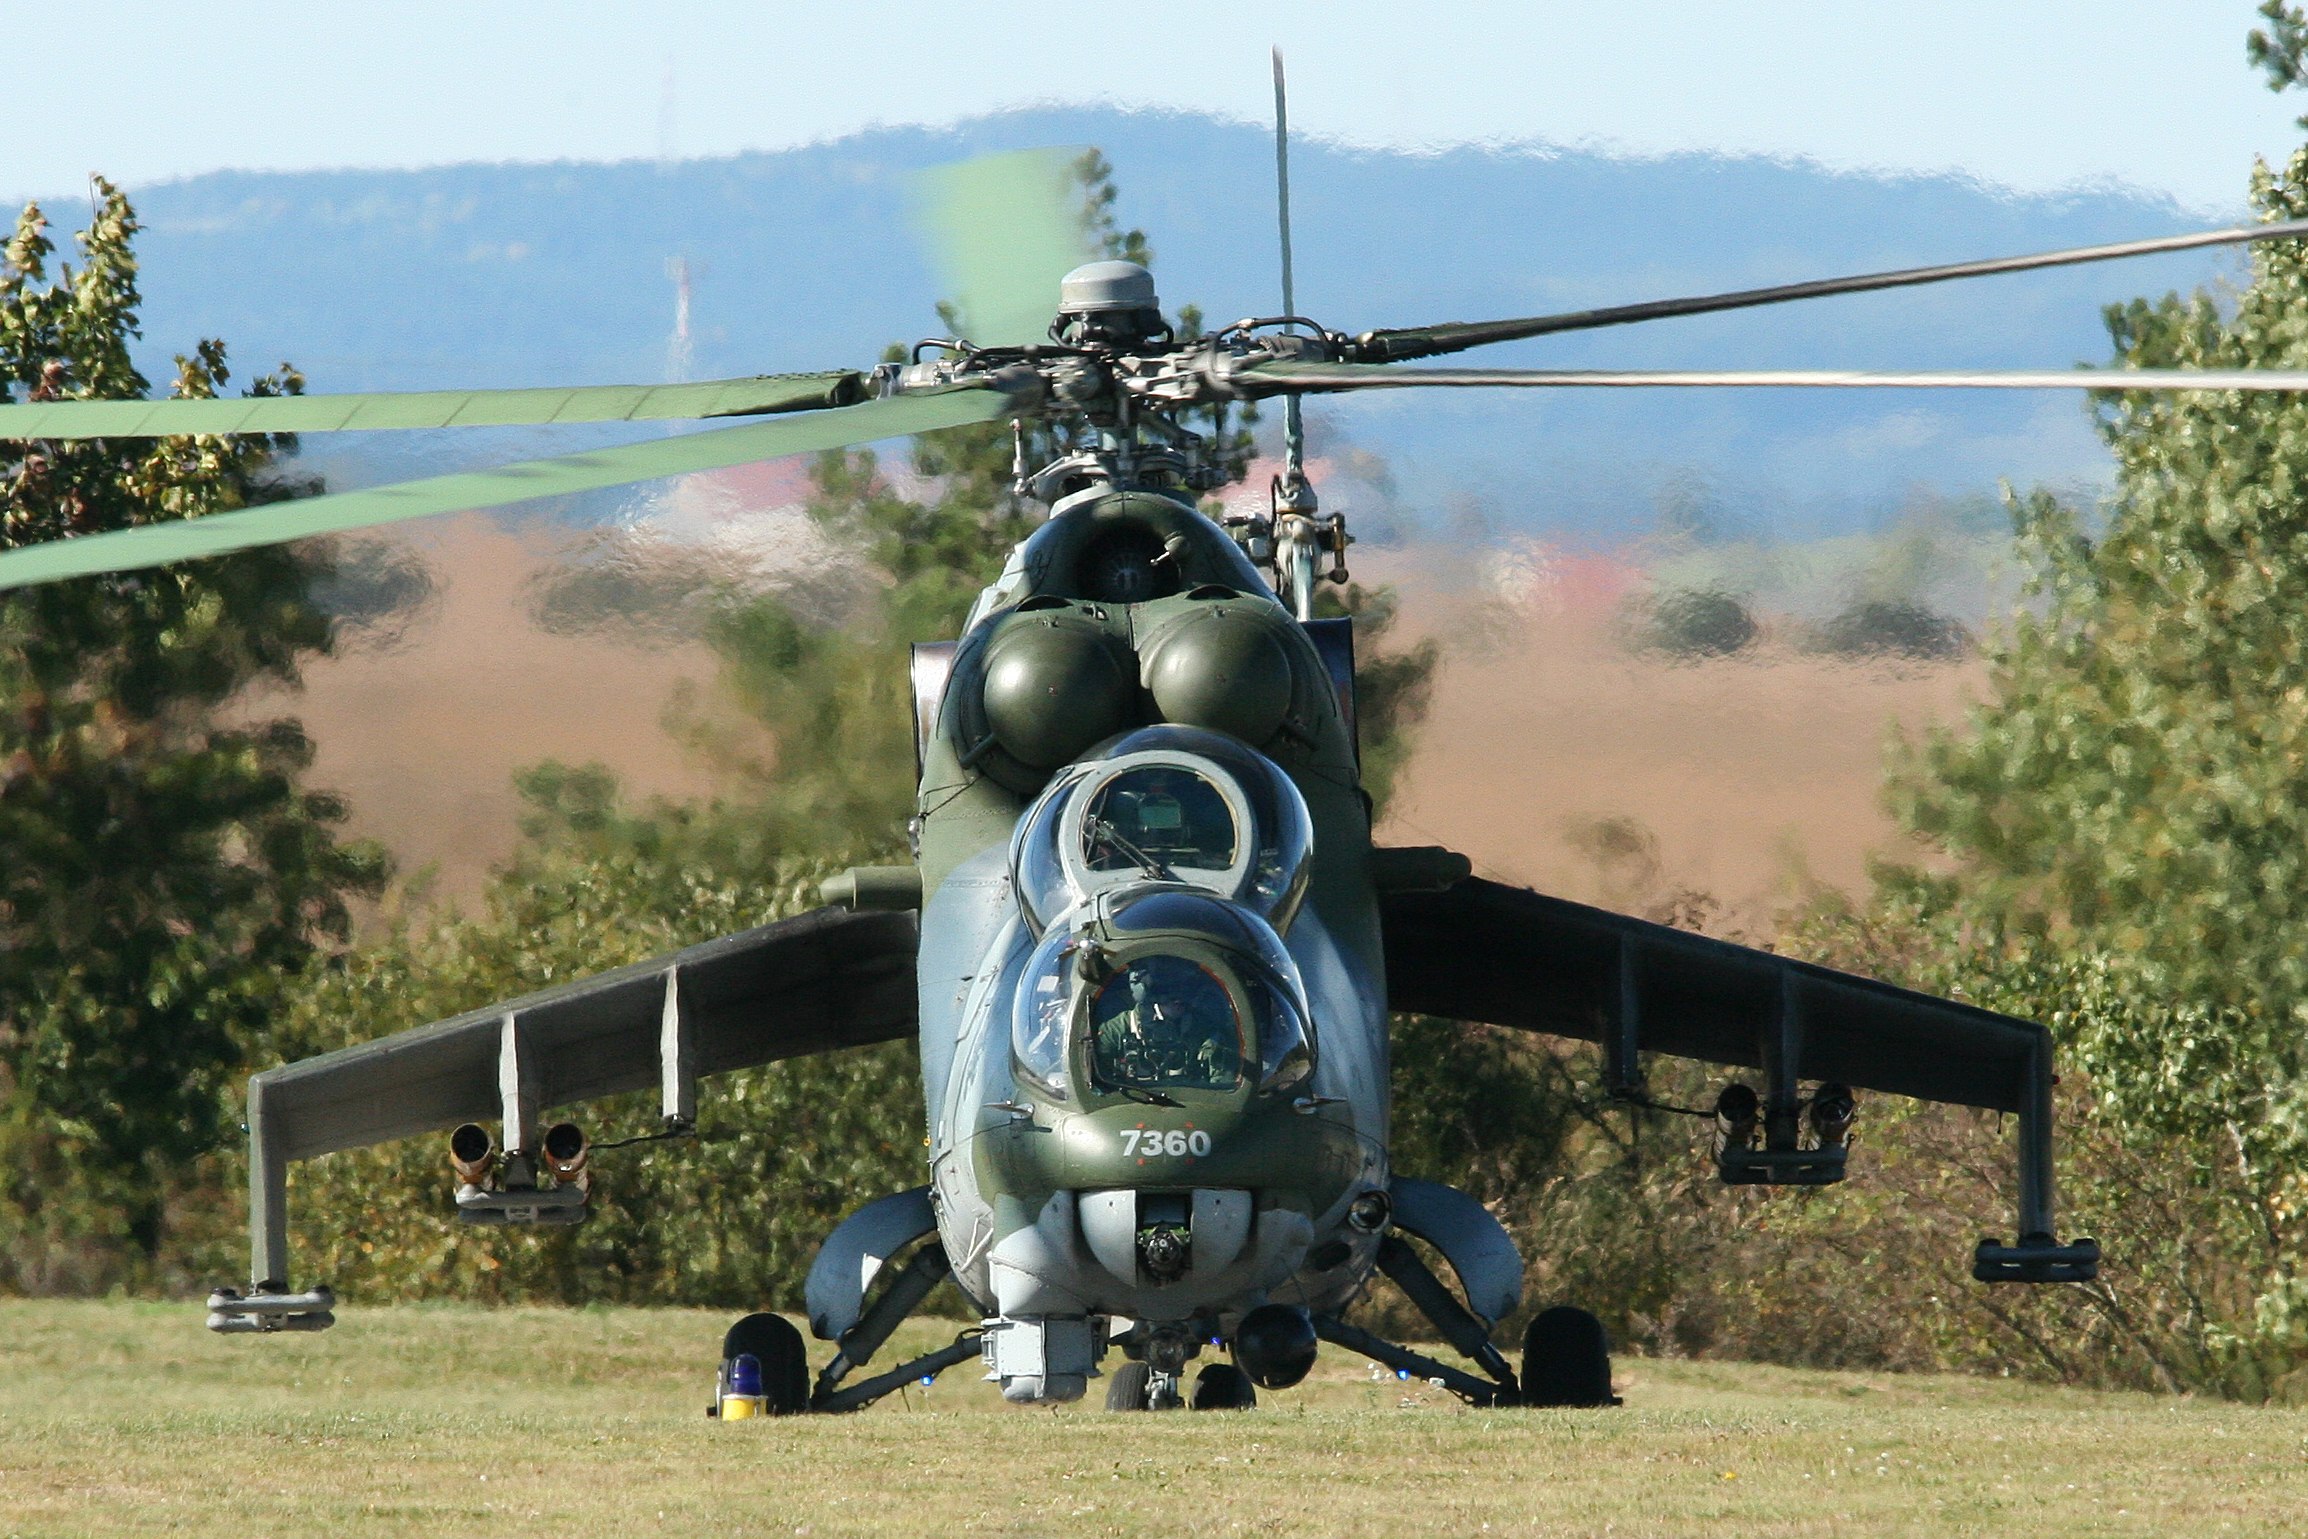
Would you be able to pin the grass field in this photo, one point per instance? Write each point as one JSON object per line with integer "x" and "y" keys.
{"x": 127, "y": 1418}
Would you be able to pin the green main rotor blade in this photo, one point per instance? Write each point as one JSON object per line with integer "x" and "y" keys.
{"x": 1005, "y": 229}
{"x": 124, "y": 550}
{"x": 757, "y": 396}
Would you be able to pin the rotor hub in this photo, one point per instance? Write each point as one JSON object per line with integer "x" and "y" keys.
{"x": 1109, "y": 302}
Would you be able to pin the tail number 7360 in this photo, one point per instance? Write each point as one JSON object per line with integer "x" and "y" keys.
{"x": 1145, "y": 1143}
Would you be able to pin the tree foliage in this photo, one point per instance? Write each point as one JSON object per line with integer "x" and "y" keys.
{"x": 2280, "y": 50}
{"x": 2121, "y": 832}
{"x": 2125, "y": 821}
{"x": 161, "y": 866}
{"x": 2135, "y": 789}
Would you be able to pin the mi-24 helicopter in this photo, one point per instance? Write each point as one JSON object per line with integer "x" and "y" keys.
{"x": 1147, "y": 943}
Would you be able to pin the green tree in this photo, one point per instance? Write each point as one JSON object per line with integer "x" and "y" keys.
{"x": 2280, "y": 50}
{"x": 161, "y": 866}
{"x": 2125, "y": 817}
{"x": 2123, "y": 826}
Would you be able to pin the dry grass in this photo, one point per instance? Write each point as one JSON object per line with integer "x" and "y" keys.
{"x": 124, "y": 1418}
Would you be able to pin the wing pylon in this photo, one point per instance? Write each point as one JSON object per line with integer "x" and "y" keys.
{"x": 821, "y": 981}
{"x": 1482, "y": 951}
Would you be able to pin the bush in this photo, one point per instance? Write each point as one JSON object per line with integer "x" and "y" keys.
{"x": 1691, "y": 623}
{"x": 1891, "y": 628}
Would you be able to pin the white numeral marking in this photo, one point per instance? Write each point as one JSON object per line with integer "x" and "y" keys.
{"x": 1146, "y": 1143}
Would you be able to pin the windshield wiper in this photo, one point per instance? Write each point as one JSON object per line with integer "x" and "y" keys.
{"x": 1133, "y": 1093}
{"x": 1138, "y": 857}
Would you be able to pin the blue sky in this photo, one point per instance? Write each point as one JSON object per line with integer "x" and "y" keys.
{"x": 2037, "y": 95}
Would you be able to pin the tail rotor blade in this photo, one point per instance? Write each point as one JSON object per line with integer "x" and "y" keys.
{"x": 150, "y": 545}
{"x": 1004, "y": 230}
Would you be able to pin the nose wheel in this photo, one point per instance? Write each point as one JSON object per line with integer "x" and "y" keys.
{"x": 1142, "y": 1387}
{"x": 1126, "y": 1387}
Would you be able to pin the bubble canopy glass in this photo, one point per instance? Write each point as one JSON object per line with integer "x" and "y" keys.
{"x": 1165, "y": 804}
{"x": 1165, "y": 1021}
{"x": 1161, "y": 990}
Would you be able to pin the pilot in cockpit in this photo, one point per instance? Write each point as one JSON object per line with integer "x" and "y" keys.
{"x": 1167, "y": 1021}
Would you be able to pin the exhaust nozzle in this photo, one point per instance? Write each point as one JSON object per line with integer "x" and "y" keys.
{"x": 566, "y": 1148}
{"x": 472, "y": 1154}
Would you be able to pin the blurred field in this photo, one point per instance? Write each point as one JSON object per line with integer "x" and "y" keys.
{"x": 127, "y": 1418}
{"x": 1559, "y": 761}
{"x": 1549, "y": 746}
{"x": 422, "y": 737}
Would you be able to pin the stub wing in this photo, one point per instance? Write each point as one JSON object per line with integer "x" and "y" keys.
{"x": 1482, "y": 951}
{"x": 823, "y": 980}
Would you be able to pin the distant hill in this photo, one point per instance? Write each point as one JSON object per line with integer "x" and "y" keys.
{"x": 534, "y": 274}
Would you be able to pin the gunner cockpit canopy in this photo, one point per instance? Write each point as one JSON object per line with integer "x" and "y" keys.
{"x": 1171, "y": 805}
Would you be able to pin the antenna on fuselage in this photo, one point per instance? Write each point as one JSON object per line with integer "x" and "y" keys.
{"x": 1300, "y": 534}
{"x": 1293, "y": 423}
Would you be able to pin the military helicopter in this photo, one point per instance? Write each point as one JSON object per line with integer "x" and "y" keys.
{"x": 1147, "y": 944}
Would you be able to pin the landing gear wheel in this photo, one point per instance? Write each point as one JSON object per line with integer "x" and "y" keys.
{"x": 784, "y": 1360}
{"x": 1126, "y": 1387}
{"x": 1224, "y": 1387}
{"x": 1567, "y": 1359}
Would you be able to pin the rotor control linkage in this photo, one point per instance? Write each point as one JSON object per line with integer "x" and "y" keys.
{"x": 1460, "y": 1326}
{"x": 1475, "y": 1392}
{"x": 860, "y": 1342}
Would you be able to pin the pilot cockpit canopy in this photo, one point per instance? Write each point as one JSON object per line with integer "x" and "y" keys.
{"x": 1162, "y": 990}
{"x": 1170, "y": 805}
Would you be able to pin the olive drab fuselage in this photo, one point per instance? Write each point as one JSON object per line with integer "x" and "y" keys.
{"x": 1128, "y": 681}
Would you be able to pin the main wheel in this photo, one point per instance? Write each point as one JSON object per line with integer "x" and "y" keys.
{"x": 1126, "y": 1387}
{"x": 784, "y": 1360}
{"x": 1224, "y": 1387}
{"x": 1567, "y": 1359}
